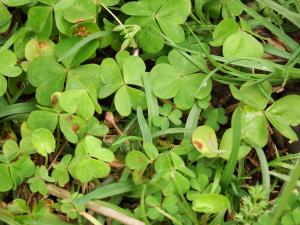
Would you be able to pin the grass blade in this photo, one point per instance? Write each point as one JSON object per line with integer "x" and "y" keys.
{"x": 285, "y": 194}
{"x": 152, "y": 104}
{"x": 107, "y": 191}
{"x": 146, "y": 134}
{"x": 264, "y": 170}
{"x": 291, "y": 16}
{"x": 293, "y": 45}
{"x": 17, "y": 109}
{"x": 171, "y": 131}
{"x": 84, "y": 41}
{"x": 231, "y": 163}
{"x": 192, "y": 120}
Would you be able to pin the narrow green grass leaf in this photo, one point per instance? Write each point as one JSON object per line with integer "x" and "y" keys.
{"x": 286, "y": 192}
{"x": 293, "y": 45}
{"x": 17, "y": 108}
{"x": 171, "y": 131}
{"x": 291, "y": 16}
{"x": 84, "y": 41}
{"x": 151, "y": 100}
{"x": 192, "y": 120}
{"x": 264, "y": 170}
{"x": 146, "y": 134}
{"x": 236, "y": 140}
{"x": 107, "y": 191}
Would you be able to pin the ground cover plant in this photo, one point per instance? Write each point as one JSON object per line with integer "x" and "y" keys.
{"x": 149, "y": 112}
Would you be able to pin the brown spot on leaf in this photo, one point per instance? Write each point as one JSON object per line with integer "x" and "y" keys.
{"x": 54, "y": 100}
{"x": 75, "y": 127}
{"x": 69, "y": 117}
{"x": 42, "y": 44}
{"x": 198, "y": 144}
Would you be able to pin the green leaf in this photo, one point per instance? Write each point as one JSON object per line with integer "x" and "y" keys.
{"x": 79, "y": 56}
{"x": 136, "y": 160}
{"x": 287, "y": 108}
{"x": 242, "y": 44}
{"x": 8, "y": 62}
{"x": 42, "y": 119}
{"x": 13, "y": 3}
{"x": 214, "y": 116}
{"x": 79, "y": 102}
{"x": 5, "y": 18}
{"x": 89, "y": 169}
{"x": 152, "y": 16}
{"x": 282, "y": 126}
{"x": 205, "y": 141}
{"x": 40, "y": 20}
{"x": 254, "y": 127}
{"x": 11, "y": 150}
{"x": 226, "y": 146}
{"x": 21, "y": 169}
{"x": 133, "y": 69}
{"x": 81, "y": 10}
{"x": 60, "y": 171}
{"x": 36, "y": 183}
{"x": 256, "y": 96}
{"x": 223, "y": 30}
{"x": 48, "y": 76}
{"x": 43, "y": 141}
{"x": 165, "y": 80}
{"x": 95, "y": 149}
{"x": 3, "y": 85}
{"x": 210, "y": 203}
{"x": 127, "y": 98}
{"x": 71, "y": 126}
{"x": 35, "y": 48}
{"x": 6, "y": 182}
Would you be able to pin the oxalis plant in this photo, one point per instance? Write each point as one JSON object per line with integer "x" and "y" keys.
{"x": 149, "y": 112}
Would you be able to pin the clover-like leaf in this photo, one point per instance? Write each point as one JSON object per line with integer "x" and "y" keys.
{"x": 71, "y": 126}
{"x": 6, "y": 182}
{"x": 254, "y": 127}
{"x": 8, "y": 66}
{"x": 40, "y": 20}
{"x": 95, "y": 149}
{"x": 48, "y": 76}
{"x": 13, "y": 3}
{"x": 89, "y": 169}
{"x": 3, "y": 85}
{"x": 223, "y": 30}
{"x": 79, "y": 102}
{"x": 285, "y": 113}
{"x": 5, "y": 18}
{"x": 205, "y": 141}
{"x": 167, "y": 114}
{"x": 80, "y": 10}
{"x": 42, "y": 119}
{"x": 13, "y": 173}
{"x": 214, "y": 116}
{"x": 37, "y": 183}
{"x": 210, "y": 203}
{"x": 43, "y": 141}
{"x": 226, "y": 146}
{"x": 179, "y": 80}
{"x": 117, "y": 76}
{"x": 256, "y": 96}
{"x": 242, "y": 44}
{"x": 136, "y": 160}
{"x": 60, "y": 171}
{"x": 11, "y": 150}
{"x": 155, "y": 15}
{"x": 35, "y": 48}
